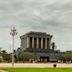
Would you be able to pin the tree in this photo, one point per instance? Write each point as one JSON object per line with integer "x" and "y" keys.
{"x": 62, "y": 57}
{"x": 66, "y": 56}
{"x": 6, "y": 56}
{"x": 26, "y": 56}
{"x": 3, "y": 51}
{"x": 53, "y": 45}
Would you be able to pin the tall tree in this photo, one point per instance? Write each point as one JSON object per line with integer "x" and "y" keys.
{"x": 53, "y": 45}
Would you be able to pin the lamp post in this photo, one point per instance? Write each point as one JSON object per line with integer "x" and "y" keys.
{"x": 13, "y": 33}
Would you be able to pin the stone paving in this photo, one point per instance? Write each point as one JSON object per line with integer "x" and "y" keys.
{"x": 2, "y": 71}
{"x": 37, "y": 65}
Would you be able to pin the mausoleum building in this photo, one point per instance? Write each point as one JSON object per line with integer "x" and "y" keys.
{"x": 38, "y": 43}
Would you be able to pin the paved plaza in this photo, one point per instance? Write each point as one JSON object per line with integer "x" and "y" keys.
{"x": 3, "y": 71}
{"x": 35, "y": 65}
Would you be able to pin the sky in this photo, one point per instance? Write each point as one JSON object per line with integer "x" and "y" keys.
{"x": 51, "y": 16}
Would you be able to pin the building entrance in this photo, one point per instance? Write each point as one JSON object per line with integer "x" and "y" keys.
{"x": 44, "y": 59}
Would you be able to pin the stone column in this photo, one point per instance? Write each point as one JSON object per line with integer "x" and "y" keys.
{"x": 45, "y": 43}
{"x": 50, "y": 43}
{"x": 37, "y": 43}
{"x": 28, "y": 42}
{"x": 41, "y": 42}
{"x": 32, "y": 42}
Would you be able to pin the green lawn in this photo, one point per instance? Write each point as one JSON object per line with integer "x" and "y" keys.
{"x": 37, "y": 69}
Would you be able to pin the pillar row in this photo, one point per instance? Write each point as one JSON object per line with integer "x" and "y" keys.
{"x": 37, "y": 43}
{"x": 41, "y": 42}
{"x": 32, "y": 42}
{"x": 28, "y": 42}
{"x": 45, "y": 43}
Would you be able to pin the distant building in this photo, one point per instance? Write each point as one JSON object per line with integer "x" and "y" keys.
{"x": 38, "y": 43}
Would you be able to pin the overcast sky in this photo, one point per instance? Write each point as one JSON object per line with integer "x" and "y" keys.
{"x": 51, "y": 16}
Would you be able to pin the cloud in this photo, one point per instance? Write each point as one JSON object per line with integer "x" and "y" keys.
{"x": 51, "y": 16}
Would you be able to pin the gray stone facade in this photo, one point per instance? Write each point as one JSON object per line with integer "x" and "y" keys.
{"x": 36, "y": 40}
